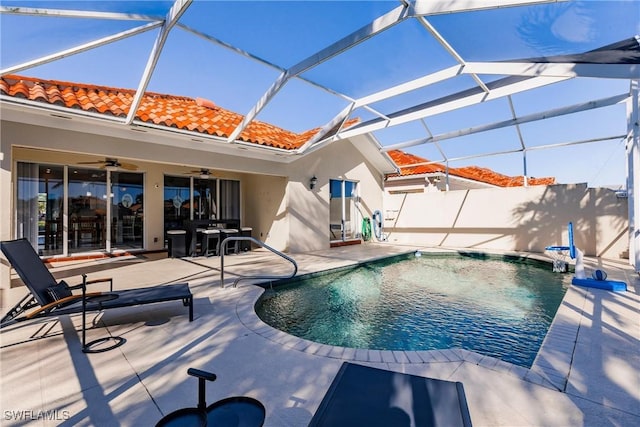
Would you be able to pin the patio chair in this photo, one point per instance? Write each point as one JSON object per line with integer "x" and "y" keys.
{"x": 365, "y": 396}
{"x": 54, "y": 298}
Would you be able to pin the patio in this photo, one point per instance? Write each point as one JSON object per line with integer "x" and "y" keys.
{"x": 587, "y": 372}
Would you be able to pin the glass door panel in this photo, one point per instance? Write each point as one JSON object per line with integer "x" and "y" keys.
{"x": 40, "y": 196}
{"x": 229, "y": 200}
{"x": 87, "y": 209}
{"x": 204, "y": 199}
{"x": 127, "y": 213}
{"x": 343, "y": 210}
{"x": 177, "y": 194}
{"x": 351, "y": 217}
{"x": 335, "y": 210}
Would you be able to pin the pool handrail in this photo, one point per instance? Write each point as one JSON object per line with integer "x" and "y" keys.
{"x": 223, "y": 247}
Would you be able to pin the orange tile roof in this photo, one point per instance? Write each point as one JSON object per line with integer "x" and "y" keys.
{"x": 197, "y": 115}
{"x": 475, "y": 173}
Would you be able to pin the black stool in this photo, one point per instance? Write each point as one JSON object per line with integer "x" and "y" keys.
{"x": 245, "y": 245}
{"x": 233, "y": 244}
{"x": 177, "y": 243}
{"x": 232, "y": 411}
{"x": 210, "y": 242}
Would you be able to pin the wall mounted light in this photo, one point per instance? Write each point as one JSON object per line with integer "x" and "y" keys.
{"x": 312, "y": 182}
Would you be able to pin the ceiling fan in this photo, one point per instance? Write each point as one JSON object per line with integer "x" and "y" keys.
{"x": 111, "y": 164}
{"x": 202, "y": 173}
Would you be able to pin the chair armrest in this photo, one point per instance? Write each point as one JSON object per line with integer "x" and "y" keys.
{"x": 58, "y": 302}
{"x": 92, "y": 281}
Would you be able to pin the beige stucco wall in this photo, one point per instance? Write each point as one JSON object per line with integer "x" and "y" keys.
{"x": 309, "y": 209}
{"x": 265, "y": 209}
{"x": 522, "y": 219}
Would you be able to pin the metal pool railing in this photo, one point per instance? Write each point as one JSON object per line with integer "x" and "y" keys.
{"x": 223, "y": 247}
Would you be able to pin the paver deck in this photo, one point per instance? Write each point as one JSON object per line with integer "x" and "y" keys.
{"x": 586, "y": 373}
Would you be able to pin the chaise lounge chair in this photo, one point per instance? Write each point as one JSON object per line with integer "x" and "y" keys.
{"x": 55, "y": 298}
{"x": 365, "y": 396}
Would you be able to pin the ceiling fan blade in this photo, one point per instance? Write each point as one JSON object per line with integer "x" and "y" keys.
{"x": 127, "y": 166}
{"x": 111, "y": 163}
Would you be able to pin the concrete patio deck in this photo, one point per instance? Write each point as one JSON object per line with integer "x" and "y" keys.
{"x": 587, "y": 372}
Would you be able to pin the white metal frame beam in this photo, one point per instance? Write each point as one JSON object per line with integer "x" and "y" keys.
{"x": 400, "y": 89}
{"x": 417, "y": 9}
{"x": 633, "y": 174}
{"x": 81, "y": 48}
{"x": 378, "y": 25}
{"x": 516, "y": 150}
{"x": 521, "y": 139}
{"x": 445, "y": 44}
{"x": 176, "y": 11}
{"x": 556, "y": 112}
{"x": 454, "y": 102}
{"x": 555, "y": 69}
{"x": 61, "y": 13}
{"x": 437, "y": 7}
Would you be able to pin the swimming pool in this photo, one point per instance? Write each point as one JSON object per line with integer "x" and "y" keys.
{"x": 497, "y": 306}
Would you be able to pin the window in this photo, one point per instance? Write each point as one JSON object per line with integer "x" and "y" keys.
{"x": 199, "y": 199}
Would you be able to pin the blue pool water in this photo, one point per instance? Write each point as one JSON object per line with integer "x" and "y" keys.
{"x": 501, "y": 307}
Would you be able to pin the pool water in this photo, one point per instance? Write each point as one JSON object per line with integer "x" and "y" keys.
{"x": 500, "y": 307}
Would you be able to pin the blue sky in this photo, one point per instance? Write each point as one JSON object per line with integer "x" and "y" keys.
{"x": 287, "y": 32}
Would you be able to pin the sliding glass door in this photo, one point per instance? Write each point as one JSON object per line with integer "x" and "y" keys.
{"x": 344, "y": 217}
{"x": 45, "y": 193}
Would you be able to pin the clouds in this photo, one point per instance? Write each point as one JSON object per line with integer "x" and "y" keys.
{"x": 574, "y": 25}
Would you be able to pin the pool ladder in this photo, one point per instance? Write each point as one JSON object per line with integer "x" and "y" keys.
{"x": 223, "y": 249}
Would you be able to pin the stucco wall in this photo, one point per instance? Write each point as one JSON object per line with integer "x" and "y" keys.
{"x": 309, "y": 209}
{"x": 521, "y": 219}
{"x": 265, "y": 210}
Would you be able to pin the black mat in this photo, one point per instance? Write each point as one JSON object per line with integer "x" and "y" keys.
{"x": 364, "y": 396}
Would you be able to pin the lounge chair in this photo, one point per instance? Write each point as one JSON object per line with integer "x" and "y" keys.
{"x": 54, "y": 298}
{"x": 364, "y": 396}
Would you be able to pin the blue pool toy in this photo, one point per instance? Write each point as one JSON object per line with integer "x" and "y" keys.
{"x": 599, "y": 277}
{"x": 607, "y": 285}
